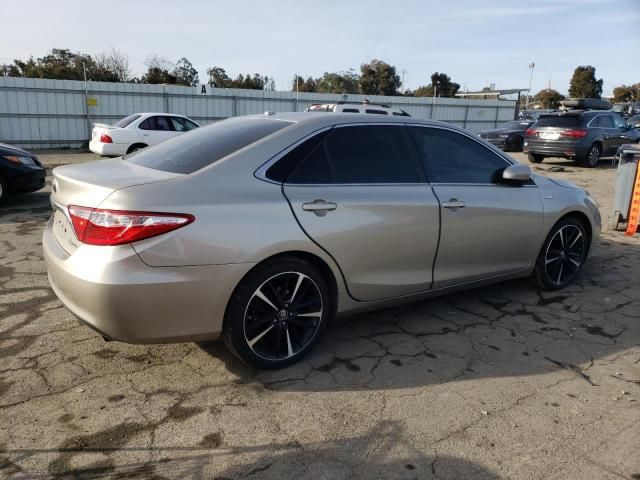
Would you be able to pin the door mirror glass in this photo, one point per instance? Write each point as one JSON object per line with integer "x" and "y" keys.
{"x": 517, "y": 173}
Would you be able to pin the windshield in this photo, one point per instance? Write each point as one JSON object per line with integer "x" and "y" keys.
{"x": 206, "y": 145}
{"x": 126, "y": 120}
{"x": 564, "y": 121}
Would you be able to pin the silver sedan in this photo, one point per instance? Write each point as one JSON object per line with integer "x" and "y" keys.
{"x": 260, "y": 229}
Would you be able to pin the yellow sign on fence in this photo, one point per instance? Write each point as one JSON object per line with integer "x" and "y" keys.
{"x": 92, "y": 102}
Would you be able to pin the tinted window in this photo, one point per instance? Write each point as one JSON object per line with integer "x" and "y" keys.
{"x": 604, "y": 121}
{"x": 126, "y": 121}
{"x": 377, "y": 112}
{"x": 563, "y": 121}
{"x": 350, "y": 110}
{"x": 148, "y": 124}
{"x": 206, "y": 145}
{"x": 362, "y": 154}
{"x": 280, "y": 170}
{"x": 181, "y": 124}
{"x": 455, "y": 158}
{"x": 619, "y": 122}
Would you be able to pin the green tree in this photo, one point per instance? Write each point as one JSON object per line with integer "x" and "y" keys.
{"x": 378, "y": 78}
{"x": 159, "y": 71}
{"x": 441, "y": 84}
{"x": 338, "y": 82}
{"x": 308, "y": 85}
{"x": 625, "y": 93}
{"x": 185, "y": 73}
{"x": 548, "y": 98}
{"x": 111, "y": 66}
{"x": 584, "y": 84}
{"x": 60, "y": 64}
{"x": 218, "y": 77}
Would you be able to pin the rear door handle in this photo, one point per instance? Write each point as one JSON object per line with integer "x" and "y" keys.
{"x": 319, "y": 207}
{"x": 453, "y": 204}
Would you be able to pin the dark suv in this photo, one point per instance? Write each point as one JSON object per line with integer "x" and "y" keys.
{"x": 585, "y": 135}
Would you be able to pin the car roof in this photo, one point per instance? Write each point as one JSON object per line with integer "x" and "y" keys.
{"x": 335, "y": 118}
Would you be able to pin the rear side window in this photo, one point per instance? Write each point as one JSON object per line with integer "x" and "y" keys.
{"x": 126, "y": 121}
{"x": 455, "y": 158}
{"x": 358, "y": 155}
{"x": 562, "y": 121}
{"x": 350, "y": 110}
{"x": 205, "y": 145}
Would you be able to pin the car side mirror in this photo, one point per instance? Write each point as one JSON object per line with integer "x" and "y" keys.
{"x": 516, "y": 174}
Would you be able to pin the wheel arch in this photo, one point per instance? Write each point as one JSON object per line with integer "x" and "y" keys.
{"x": 136, "y": 145}
{"x": 319, "y": 263}
{"x": 583, "y": 218}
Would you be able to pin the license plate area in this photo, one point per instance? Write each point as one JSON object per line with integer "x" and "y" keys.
{"x": 63, "y": 231}
{"x": 550, "y": 135}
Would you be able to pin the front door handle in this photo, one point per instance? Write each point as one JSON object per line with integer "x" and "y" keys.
{"x": 454, "y": 204}
{"x": 319, "y": 207}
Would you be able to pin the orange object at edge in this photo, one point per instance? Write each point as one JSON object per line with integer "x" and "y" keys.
{"x": 634, "y": 209}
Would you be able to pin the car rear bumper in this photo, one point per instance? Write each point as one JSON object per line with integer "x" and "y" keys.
{"x": 550, "y": 149}
{"x": 108, "y": 149}
{"x": 116, "y": 294}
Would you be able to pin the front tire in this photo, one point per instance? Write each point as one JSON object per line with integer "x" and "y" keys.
{"x": 518, "y": 144}
{"x": 535, "y": 157}
{"x": 276, "y": 313}
{"x": 562, "y": 255}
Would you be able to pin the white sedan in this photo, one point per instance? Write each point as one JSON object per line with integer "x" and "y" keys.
{"x": 136, "y": 132}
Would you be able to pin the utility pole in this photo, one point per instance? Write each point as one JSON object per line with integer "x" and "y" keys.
{"x": 86, "y": 100}
{"x": 297, "y": 96}
{"x": 531, "y": 67}
{"x": 403, "y": 72}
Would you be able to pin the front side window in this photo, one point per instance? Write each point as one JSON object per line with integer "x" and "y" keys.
{"x": 604, "y": 121}
{"x": 376, "y": 112}
{"x": 619, "y": 122}
{"x": 455, "y": 158}
{"x": 367, "y": 154}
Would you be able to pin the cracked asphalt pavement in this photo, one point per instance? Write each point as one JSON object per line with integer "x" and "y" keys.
{"x": 496, "y": 382}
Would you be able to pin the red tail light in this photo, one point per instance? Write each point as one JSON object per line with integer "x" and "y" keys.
{"x": 95, "y": 226}
{"x": 530, "y": 131}
{"x": 574, "y": 133}
{"x": 104, "y": 138}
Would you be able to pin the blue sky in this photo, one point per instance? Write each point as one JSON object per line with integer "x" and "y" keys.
{"x": 475, "y": 42}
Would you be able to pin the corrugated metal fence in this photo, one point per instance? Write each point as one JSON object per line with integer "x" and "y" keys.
{"x": 41, "y": 113}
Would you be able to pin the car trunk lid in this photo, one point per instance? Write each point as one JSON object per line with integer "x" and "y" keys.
{"x": 88, "y": 185}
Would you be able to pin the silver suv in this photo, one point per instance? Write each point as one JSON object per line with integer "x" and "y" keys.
{"x": 357, "y": 107}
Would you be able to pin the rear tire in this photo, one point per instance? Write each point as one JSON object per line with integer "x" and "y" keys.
{"x": 277, "y": 313}
{"x": 535, "y": 157}
{"x": 592, "y": 158}
{"x": 562, "y": 255}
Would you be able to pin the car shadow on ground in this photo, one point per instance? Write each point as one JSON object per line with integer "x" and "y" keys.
{"x": 508, "y": 329}
{"x": 383, "y": 451}
{"x": 604, "y": 163}
{"x": 22, "y": 208}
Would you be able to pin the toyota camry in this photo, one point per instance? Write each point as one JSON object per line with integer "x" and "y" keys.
{"x": 260, "y": 229}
